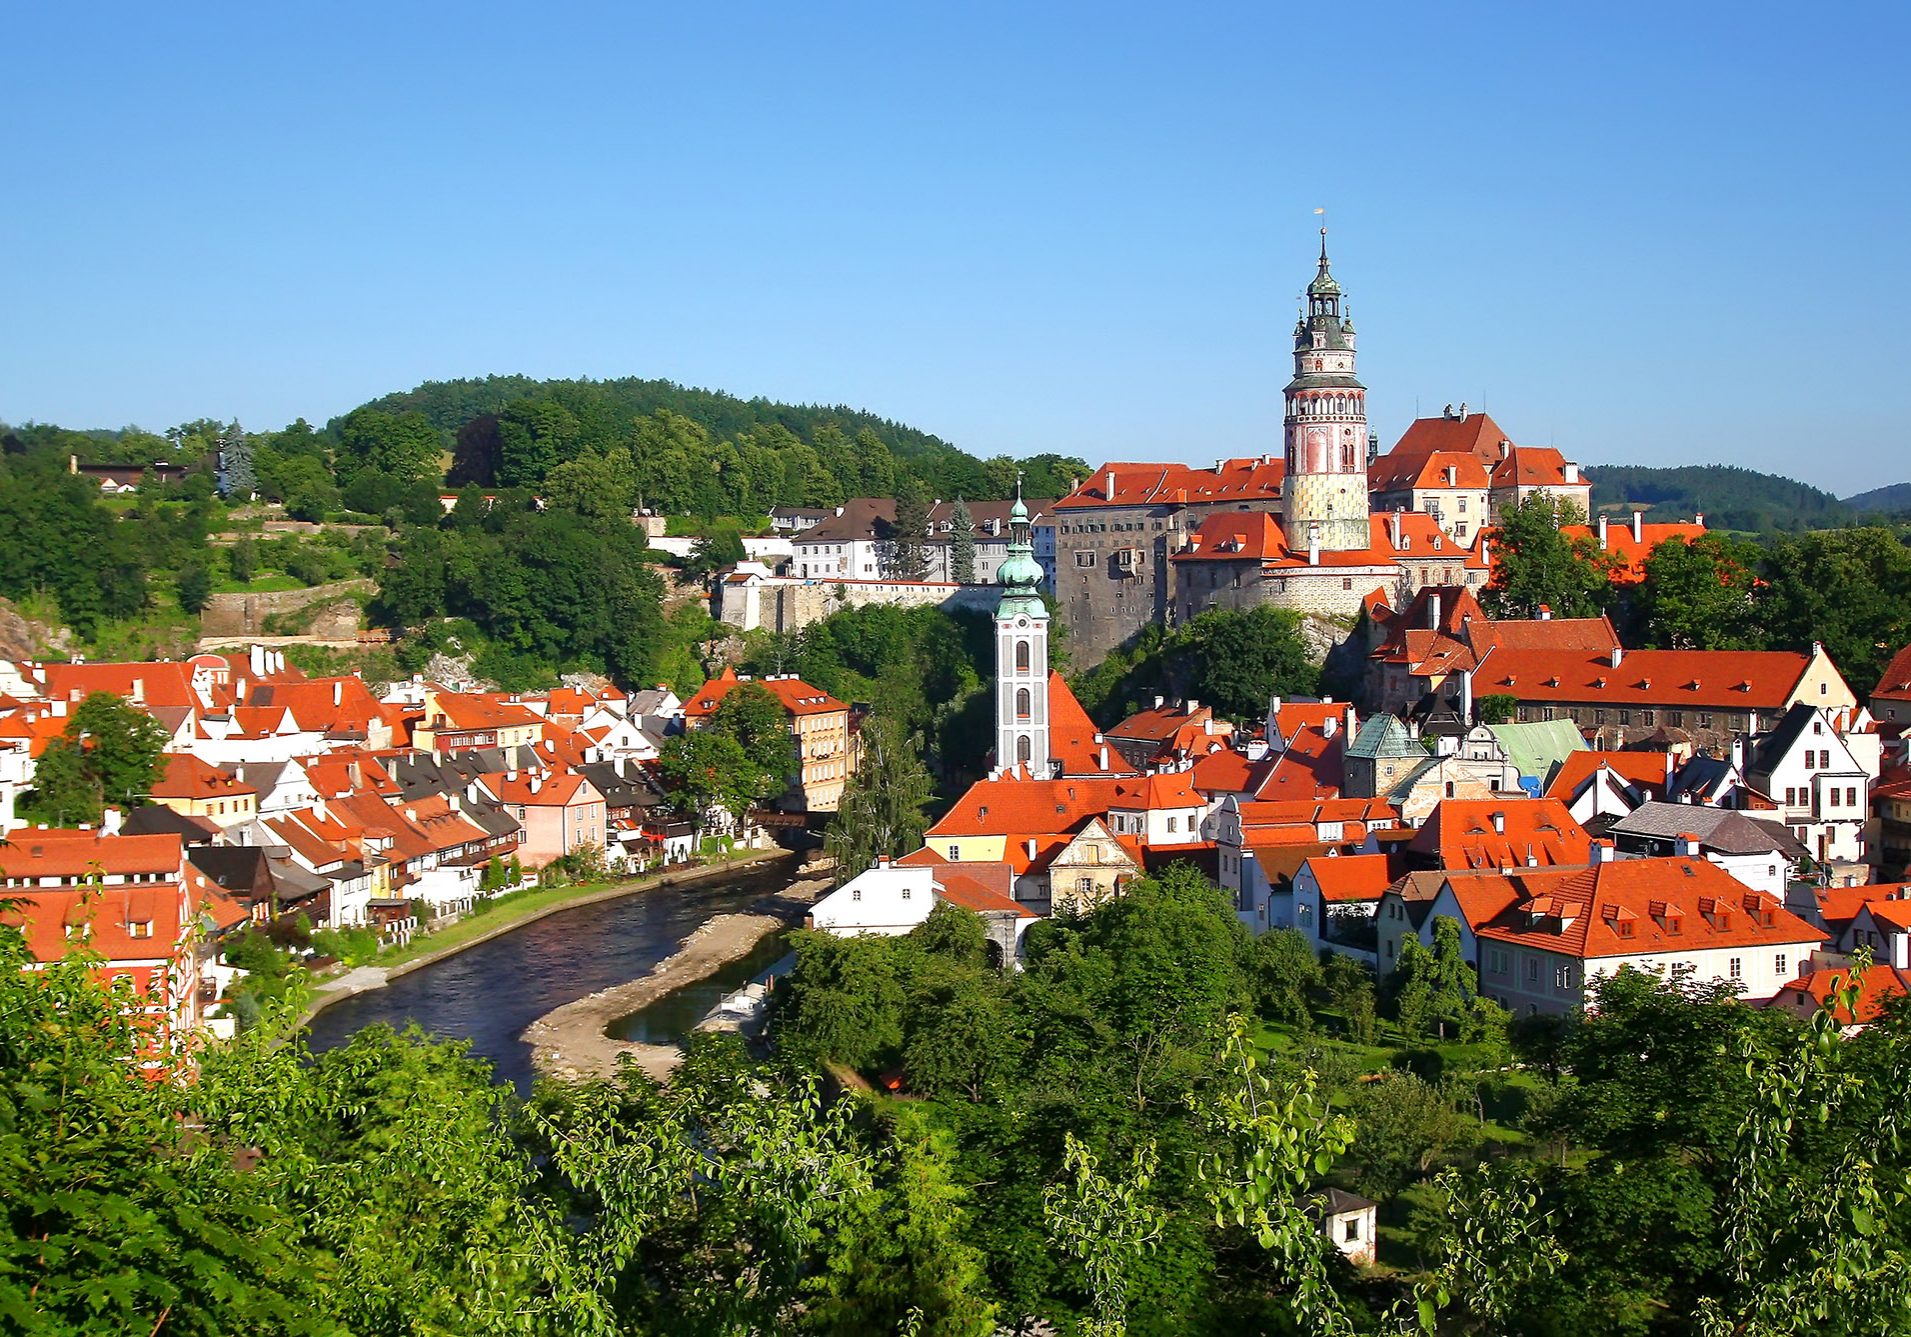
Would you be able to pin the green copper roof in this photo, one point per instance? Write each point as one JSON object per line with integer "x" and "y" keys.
{"x": 1384, "y": 736}
{"x": 1538, "y": 748}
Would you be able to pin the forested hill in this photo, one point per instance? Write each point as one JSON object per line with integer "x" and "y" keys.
{"x": 1730, "y": 497}
{"x": 1893, "y": 500}
{"x": 510, "y": 430}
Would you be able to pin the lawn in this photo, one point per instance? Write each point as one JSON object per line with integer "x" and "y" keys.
{"x": 506, "y": 909}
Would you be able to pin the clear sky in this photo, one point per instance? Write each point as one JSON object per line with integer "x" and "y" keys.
{"x": 1646, "y": 233}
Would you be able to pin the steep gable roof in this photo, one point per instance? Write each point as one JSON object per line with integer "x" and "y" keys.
{"x": 1503, "y": 832}
{"x": 1895, "y": 683}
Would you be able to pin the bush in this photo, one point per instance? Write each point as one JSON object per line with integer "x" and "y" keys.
{"x": 353, "y": 946}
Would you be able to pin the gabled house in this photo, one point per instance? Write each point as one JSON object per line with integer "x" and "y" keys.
{"x": 1542, "y": 951}
{"x": 1506, "y": 832}
{"x": 1820, "y": 775}
{"x": 1761, "y": 854}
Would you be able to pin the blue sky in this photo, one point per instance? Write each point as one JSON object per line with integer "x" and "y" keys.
{"x": 1647, "y": 234}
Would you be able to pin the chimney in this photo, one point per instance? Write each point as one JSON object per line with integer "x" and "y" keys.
{"x": 1433, "y": 610}
{"x": 1111, "y": 484}
{"x": 511, "y": 777}
{"x": 1158, "y": 701}
{"x": 1668, "y": 773}
{"x": 1499, "y": 823}
{"x": 1330, "y": 726}
{"x": 1506, "y": 447}
{"x": 1602, "y": 533}
{"x": 1638, "y": 527}
{"x": 1738, "y": 754}
{"x": 138, "y": 696}
{"x": 1191, "y": 705}
{"x": 1685, "y": 845}
{"x": 1462, "y": 410}
{"x": 1572, "y": 472}
{"x": 1698, "y": 518}
{"x": 1031, "y": 847}
{"x": 1393, "y": 526}
{"x": 1601, "y": 852}
{"x": 1545, "y": 613}
{"x": 1104, "y": 757}
{"x": 882, "y": 861}
{"x": 1486, "y": 552}
{"x": 1618, "y": 655}
{"x": 109, "y": 821}
{"x": 1313, "y": 543}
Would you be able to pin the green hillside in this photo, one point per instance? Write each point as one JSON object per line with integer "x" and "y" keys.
{"x": 1893, "y": 500}
{"x": 510, "y": 430}
{"x": 1730, "y": 497}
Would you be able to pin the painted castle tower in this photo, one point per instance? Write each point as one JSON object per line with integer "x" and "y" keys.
{"x": 1325, "y": 492}
{"x": 1021, "y": 654}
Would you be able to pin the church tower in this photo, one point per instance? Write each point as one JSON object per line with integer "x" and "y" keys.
{"x": 1325, "y": 493}
{"x": 1021, "y": 654}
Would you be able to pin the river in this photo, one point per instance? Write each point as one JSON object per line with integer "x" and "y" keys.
{"x": 489, "y": 993}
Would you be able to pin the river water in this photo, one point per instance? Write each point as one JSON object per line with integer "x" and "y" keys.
{"x": 489, "y": 993}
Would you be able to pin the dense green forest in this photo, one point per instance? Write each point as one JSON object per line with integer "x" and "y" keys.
{"x": 691, "y": 451}
{"x": 1730, "y": 497}
{"x": 1893, "y": 500}
{"x": 1126, "y": 1137}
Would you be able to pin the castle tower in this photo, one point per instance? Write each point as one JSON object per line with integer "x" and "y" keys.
{"x": 1021, "y": 654}
{"x": 1325, "y": 494}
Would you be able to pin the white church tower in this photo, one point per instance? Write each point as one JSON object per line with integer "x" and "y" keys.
{"x": 1325, "y": 491}
{"x": 1021, "y": 654}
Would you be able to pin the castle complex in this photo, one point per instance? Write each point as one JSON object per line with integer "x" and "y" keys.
{"x": 1326, "y": 528}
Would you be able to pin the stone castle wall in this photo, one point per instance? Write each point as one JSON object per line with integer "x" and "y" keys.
{"x": 791, "y": 605}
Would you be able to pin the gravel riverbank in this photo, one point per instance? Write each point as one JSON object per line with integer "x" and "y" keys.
{"x": 572, "y": 1041}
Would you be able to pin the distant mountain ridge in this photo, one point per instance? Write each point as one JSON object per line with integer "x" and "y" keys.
{"x": 1892, "y": 500}
{"x": 1730, "y": 497}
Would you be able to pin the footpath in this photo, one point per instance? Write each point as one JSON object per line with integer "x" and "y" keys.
{"x": 364, "y": 978}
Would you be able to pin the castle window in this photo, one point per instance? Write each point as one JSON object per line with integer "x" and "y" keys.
{"x": 1022, "y": 703}
{"x": 1024, "y": 750}
{"x": 1021, "y": 657}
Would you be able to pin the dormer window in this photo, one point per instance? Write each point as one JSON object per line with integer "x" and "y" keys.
{"x": 142, "y": 928}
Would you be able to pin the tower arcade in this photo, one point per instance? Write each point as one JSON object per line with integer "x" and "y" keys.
{"x": 1325, "y": 499}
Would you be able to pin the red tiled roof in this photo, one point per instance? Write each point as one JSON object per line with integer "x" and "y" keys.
{"x": 1634, "y": 907}
{"x": 1160, "y": 723}
{"x": 1020, "y": 807}
{"x": 1394, "y": 472}
{"x": 467, "y": 711}
{"x": 187, "y": 777}
{"x": 985, "y": 888}
{"x": 1158, "y": 484}
{"x": 1534, "y": 466}
{"x": 1646, "y": 769}
{"x": 1877, "y": 986}
{"x": 1630, "y": 557}
{"x": 1071, "y": 736}
{"x": 161, "y": 684}
{"x": 796, "y": 696}
{"x": 1238, "y": 536}
{"x": 554, "y": 788}
{"x": 75, "y": 855}
{"x": 1731, "y": 679}
{"x": 1461, "y": 834}
{"x": 1895, "y": 684}
{"x": 1351, "y": 878}
{"x": 1476, "y": 434}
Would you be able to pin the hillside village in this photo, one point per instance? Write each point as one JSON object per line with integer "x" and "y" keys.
{"x": 1523, "y": 794}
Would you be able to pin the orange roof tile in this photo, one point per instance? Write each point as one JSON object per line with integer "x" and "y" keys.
{"x": 1633, "y": 907}
{"x": 187, "y": 777}
{"x": 796, "y": 696}
{"x": 1895, "y": 683}
{"x": 1876, "y": 987}
{"x": 1504, "y": 832}
{"x": 1180, "y": 484}
{"x": 1645, "y": 769}
{"x": 1732, "y": 679}
{"x": 1351, "y": 878}
{"x": 1018, "y": 807}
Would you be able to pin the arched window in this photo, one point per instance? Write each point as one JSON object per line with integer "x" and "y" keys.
{"x": 1021, "y": 656}
{"x": 1021, "y": 704}
{"x": 1024, "y": 750}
